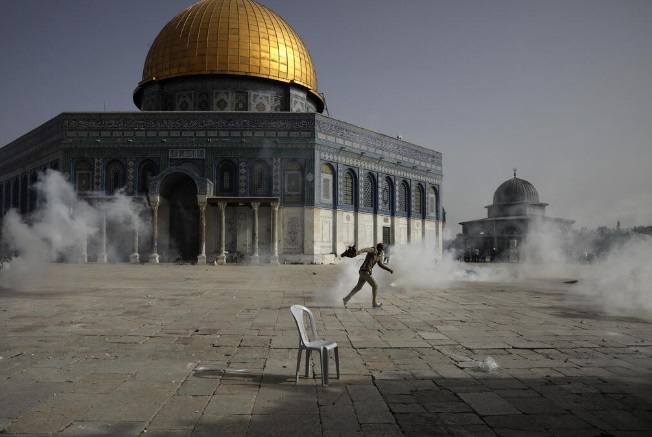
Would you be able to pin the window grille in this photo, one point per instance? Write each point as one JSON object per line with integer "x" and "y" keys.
{"x": 83, "y": 176}
{"x": 418, "y": 201}
{"x": 402, "y": 198}
{"x": 259, "y": 180}
{"x": 116, "y": 177}
{"x": 386, "y": 195}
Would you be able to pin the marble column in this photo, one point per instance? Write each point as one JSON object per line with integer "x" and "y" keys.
{"x": 274, "y": 258}
{"x": 154, "y": 202}
{"x": 221, "y": 258}
{"x": 134, "y": 258}
{"x": 201, "y": 258}
{"x": 83, "y": 244}
{"x": 255, "y": 258}
{"x": 102, "y": 258}
{"x": 83, "y": 256}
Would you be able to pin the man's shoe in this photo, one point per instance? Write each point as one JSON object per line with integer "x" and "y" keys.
{"x": 377, "y": 305}
{"x": 345, "y": 302}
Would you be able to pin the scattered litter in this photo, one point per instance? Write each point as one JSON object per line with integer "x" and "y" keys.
{"x": 489, "y": 365}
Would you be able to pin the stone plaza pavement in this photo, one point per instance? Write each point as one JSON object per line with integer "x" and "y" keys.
{"x": 167, "y": 350}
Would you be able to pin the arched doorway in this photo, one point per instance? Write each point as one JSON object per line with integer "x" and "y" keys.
{"x": 180, "y": 191}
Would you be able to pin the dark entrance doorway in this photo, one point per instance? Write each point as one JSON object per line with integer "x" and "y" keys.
{"x": 387, "y": 235}
{"x": 181, "y": 192}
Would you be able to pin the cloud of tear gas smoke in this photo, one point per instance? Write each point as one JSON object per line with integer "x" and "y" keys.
{"x": 419, "y": 267}
{"x": 58, "y": 230}
{"x": 546, "y": 243}
{"x": 621, "y": 281}
{"x": 415, "y": 267}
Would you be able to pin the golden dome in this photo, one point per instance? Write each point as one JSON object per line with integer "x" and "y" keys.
{"x": 239, "y": 37}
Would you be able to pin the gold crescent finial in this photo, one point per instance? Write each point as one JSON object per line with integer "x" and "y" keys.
{"x": 514, "y": 172}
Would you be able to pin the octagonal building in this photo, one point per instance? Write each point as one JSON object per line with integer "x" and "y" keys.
{"x": 231, "y": 155}
{"x": 515, "y": 213}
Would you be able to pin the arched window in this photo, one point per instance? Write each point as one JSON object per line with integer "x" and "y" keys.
{"x": 418, "y": 201}
{"x": 327, "y": 183}
{"x": 432, "y": 201}
{"x": 403, "y": 198}
{"x": 226, "y": 179}
{"x": 510, "y": 230}
{"x": 148, "y": 171}
{"x": 115, "y": 176}
{"x": 349, "y": 188}
{"x": 387, "y": 195}
{"x": 369, "y": 192}
{"x": 260, "y": 179}
{"x": 293, "y": 182}
{"x": 83, "y": 176}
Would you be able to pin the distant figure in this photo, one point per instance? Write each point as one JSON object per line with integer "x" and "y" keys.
{"x": 386, "y": 254}
{"x": 374, "y": 256}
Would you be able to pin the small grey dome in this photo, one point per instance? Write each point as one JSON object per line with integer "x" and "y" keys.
{"x": 516, "y": 190}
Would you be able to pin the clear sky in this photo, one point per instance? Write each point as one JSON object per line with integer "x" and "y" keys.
{"x": 560, "y": 89}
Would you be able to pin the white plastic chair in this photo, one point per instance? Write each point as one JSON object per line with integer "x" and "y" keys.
{"x": 317, "y": 344}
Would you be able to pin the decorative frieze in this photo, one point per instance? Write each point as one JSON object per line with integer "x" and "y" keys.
{"x": 365, "y": 140}
{"x": 143, "y": 120}
{"x": 187, "y": 153}
{"x": 377, "y": 167}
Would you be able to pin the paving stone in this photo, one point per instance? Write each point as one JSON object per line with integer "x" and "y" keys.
{"x": 488, "y": 404}
{"x": 180, "y": 412}
{"x": 470, "y": 431}
{"x": 98, "y": 429}
{"x": 519, "y": 422}
{"x": 420, "y": 425}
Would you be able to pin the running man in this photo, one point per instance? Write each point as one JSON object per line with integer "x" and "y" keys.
{"x": 374, "y": 256}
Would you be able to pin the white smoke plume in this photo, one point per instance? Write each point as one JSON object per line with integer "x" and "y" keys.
{"x": 58, "y": 230}
{"x": 621, "y": 282}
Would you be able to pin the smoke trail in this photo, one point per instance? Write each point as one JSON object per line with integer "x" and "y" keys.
{"x": 622, "y": 281}
{"x": 59, "y": 229}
